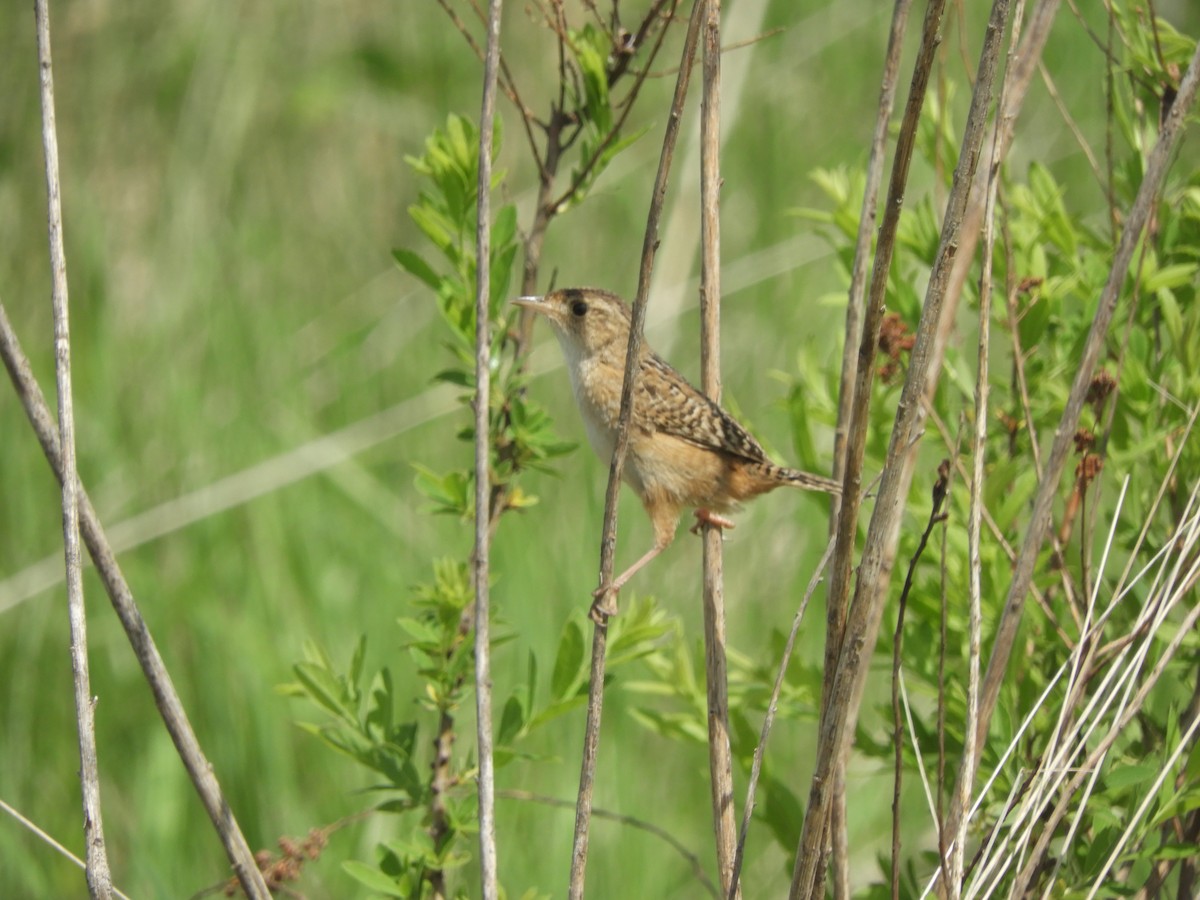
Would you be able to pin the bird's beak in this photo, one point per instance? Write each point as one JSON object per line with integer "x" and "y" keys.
{"x": 537, "y": 304}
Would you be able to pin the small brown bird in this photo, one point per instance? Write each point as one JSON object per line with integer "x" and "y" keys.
{"x": 684, "y": 450}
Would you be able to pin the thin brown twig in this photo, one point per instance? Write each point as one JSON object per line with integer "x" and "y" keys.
{"x": 772, "y": 706}
{"x": 1023, "y": 67}
{"x": 585, "y": 170}
{"x": 840, "y": 713}
{"x": 855, "y": 422}
{"x": 943, "y": 640}
{"x": 558, "y": 141}
{"x": 973, "y": 743}
{"x": 1052, "y": 90}
{"x": 508, "y": 83}
{"x": 99, "y": 879}
{"x": 997, "y": 533}
{"x": 48, "y": 839}
{"x": 1011, "y": 292}
{"x": 727, "y": 48}
{"x": 720, "y": 754}
{"x": 856, "y": 299}
{"x": 602, "y": 608}
{"x": 941, "y": 487}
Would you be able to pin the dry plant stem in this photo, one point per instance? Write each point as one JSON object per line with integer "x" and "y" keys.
{"x": 855, "y": 421}
{"x": 1018, "y": 81}
{"x": 165, "y": 697}
{"x": 1051, "y": 818}
{"x": 608, "y": 541}
{"x": 997, "y": 534}
{"x": 935, "y": 516}
{"x": 943, "y": 620}
{"x": 1014, "y": 605}
{"x": 772, "y": 706}
{"x": 863, "y": 240}
{"x": 483, "y": 667}
{"x": 961, "y": 801}
{"x": 720, "y": 755}
{"x": 1018, "y": 355}
{"x": 1176, "y": 562}
{"x": 836, "y": 613}
{"x": 840, "y": 713}
{"x": 99, "y": 879}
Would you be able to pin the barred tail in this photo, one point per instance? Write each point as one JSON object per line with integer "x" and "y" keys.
{"x": 810, "y": 482}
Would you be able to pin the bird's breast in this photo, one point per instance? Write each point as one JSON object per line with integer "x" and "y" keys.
{"x": 599, "y": 404}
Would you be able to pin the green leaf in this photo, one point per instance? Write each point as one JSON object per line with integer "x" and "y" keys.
{"x": 451, "y": 493}
{"x": 1171, "y": 314}
{"x": 375, "y": 880}
{"x": 458, "y": 377}
{"x": 1126, "y": 776}
{"x": 531, "y": 681}
{"x": 323, "y": 688}
{"x": 504, "y": 229}
{"x": 416, "y": 266}
{"x": 435, "y": 226}
{"x": 590, "y": 52}
{"x": 1172, "y": 276}
{"x": 568, "y": 664}
{"x": 512, "y": 720}
{"x": 1175, "y": 851}
{"x": 358, "y": 660}
{"x": 419, "y": 630}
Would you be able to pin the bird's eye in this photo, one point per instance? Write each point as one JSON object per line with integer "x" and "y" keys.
{"x": 579, "y": 307}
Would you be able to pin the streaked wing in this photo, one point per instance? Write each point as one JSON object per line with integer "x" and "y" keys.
{"x": 675, "y": 407}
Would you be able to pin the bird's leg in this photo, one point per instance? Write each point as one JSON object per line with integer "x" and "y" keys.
{"x": 664, "y": 515}
{"x": 605, "y": 597}
{"x": 708, "y": 517}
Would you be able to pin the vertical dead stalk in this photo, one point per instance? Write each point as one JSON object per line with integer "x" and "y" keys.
{"x": 840, "y": 712}
{"x": 480, "y": 558}
{"x": 769, "y": 718}
{"x": 99, "y": 878}
{"x": 972, "y": 742}
{"x": 836, "y": 612}
{"x": 720, "y": 756}
{"x": 1014, "y": 604}
{"x": 854, "y": 405}
{"x": 608, "y": 541}
{"x": 1024, "y": 66}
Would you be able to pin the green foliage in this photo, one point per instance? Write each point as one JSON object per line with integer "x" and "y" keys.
{"x": 362, "y": 714}
{"x": 594, "y": 114}
{"x": 521, "y": 434}
{"x": 363, "y": 720}
{"x": 256, "y": 294}
{"x": 1051, "y": 263}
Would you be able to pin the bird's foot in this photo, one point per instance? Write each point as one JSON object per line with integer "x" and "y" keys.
{"x": 604, "y": 604}
{"x": 708, "y": 517}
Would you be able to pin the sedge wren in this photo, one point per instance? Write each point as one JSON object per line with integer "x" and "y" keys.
{"x": 684, "y": 451}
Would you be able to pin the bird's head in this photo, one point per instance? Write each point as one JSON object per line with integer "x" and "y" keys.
{"x": 587, "y": 321}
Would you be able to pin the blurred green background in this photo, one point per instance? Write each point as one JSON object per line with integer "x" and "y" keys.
{"x": 233, "y": 183}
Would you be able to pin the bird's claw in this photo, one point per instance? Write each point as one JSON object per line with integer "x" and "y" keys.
{"x": 604, "y": 604}
{"x": 708, "y": 517}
